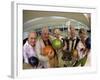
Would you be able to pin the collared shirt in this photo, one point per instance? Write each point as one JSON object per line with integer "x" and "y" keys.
{"x": 28, "y": 51}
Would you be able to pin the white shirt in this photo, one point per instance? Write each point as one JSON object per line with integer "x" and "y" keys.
{"x": 44, "y": 60}
{"x": 70, "y": 43}
{"x": 79, "y": 48}
{"x": 81, "y": 54}
{"x": 28, "y": 51}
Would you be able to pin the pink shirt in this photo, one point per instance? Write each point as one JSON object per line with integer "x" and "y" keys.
{"x": 28, "y": 51}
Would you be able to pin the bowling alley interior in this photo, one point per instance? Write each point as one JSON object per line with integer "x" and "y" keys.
{"x": 64, "y": 24}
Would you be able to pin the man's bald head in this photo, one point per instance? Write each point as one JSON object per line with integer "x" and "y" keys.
{"x": 31, "y": 33}
{"x": 32, "y": 38}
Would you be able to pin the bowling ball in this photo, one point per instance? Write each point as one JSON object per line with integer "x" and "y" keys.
{"x": 33, "y": 61}
{"x": 47, "y": 50}
{"x": 57, "y": 44}
{"x": 81, "y": 62}
{"x": 75, "y": 53}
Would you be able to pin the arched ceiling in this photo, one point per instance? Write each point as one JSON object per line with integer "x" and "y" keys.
{"x": 47, "y": 18}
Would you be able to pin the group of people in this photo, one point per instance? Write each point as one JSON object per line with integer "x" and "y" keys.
{"x": 75, "y": 47}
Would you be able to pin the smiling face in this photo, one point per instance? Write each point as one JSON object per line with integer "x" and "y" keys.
{"x": 45, "y": 36}
{"x": 72, "y": 32}
{"x": 82, "y": 34}
{"x": 45, "y": 33}
{"x": 32, "y": 38}
{"x": 57, "y": 33}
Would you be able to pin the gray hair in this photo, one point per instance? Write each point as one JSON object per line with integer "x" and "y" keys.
{"x": 45, "y": 29}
